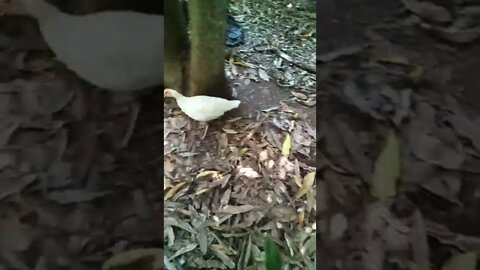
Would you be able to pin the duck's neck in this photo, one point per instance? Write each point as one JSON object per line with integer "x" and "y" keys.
{"x": 40, "y": 9}
{"x": 177, "y": 95}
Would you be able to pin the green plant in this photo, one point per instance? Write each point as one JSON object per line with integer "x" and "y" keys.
{"x": 273, "y": 260}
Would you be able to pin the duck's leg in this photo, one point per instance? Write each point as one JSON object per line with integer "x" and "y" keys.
{"x": 191, "y": 133}
{"x": 134, "y": 112}
{"x": 205, "y": 131}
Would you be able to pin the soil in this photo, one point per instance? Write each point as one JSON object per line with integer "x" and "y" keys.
{"x": 267, "y": 96}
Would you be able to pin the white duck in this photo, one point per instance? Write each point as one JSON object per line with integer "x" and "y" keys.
{"x": 114, "y": 50}
{"x": 202, "y": 108}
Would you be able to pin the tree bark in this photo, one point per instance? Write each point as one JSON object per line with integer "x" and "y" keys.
{"x": 207, "y": 37}
{"x": 176, "y": 47}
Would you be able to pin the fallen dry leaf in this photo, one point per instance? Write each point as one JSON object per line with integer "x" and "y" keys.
{"x": 75, "y": 195}
{"x": 234, "y": 210}
{"x": 428, "y": 10}
{"x": 465, "y": 261}
{"x": 171, "y": 192}
{"x": 214, "y": 174}
{"x": 15, "y": 236}
{"x": 307, "y": 184}
{"x": 128, "y": 257}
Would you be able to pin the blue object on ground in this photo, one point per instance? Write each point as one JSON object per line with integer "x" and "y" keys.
{"x": 234, "y": 35}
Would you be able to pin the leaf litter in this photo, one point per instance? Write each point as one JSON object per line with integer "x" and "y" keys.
{"x": 236, "y": 186}
{"x": 253, "y": 175}
{"x": 399, "y": 138}
{"x": 69, "y": 197}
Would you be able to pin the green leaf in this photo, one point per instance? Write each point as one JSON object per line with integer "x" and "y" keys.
{"x": 287, "y": 145}
{"x": 273, "y": 260}
{"x": 387, "y": 169}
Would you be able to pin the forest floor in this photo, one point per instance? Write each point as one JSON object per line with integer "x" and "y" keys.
{"x": 252, "y": 175}
{"x": 399, "y": 135}
{"x": 70, "y": 196}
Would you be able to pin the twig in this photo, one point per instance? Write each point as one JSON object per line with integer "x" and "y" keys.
{"x": 306, "y": 67}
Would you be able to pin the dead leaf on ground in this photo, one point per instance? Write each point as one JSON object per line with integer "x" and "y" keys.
{"x": 171, "y": 192}
{"x": 465, "y": 261}
{"x": 45, "y": 98}
{"x": 130, "y": 256}
{"x": 283, "y": 213}
{"x": 387, "y": 56}
{"x": 307, "y": 184}
{"x": 338, "y": 226}
{"x": 75, "y": 195}
{"x": 428, "y": 10}
{"x": 234, "y": 210}
{"x": 420, "y": 248}
{"x": 460, "y": 36}
{"x": 15, "y": 236}
{"x": 7, "y": 128}
{"x": 184, "y": 250}
{"x": 263, "y": 75}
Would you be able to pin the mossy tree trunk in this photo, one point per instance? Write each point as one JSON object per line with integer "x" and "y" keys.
{"x": 176, "y": 46}
{"x": 207, "y": 52}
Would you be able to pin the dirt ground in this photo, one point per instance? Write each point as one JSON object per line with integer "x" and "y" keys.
{"x": 398, "y": 135}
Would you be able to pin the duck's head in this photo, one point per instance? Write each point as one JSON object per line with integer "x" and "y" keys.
{"x": 39, "y": 9}
{"x": 171, "y": 93}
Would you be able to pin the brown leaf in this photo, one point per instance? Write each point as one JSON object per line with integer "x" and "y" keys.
{"x": 12, "y": 186}
{"x": 454, "y": 35}
{"x": 263, "y": 75}
{"x": 299, "y": 95}
{"x": 7, "y": 128}
{"x": 15, "y": 236}
{"x": 75, "y": 195}
{"x": 338, "y": 226}
{"x": 466, "y": 261}
{"x": 420, "y": 248}
{"x": 385, "y": 55}
{"x": 234, "y": 210}
{"x": 283, "y": 213}
{"x": 45, "y": 98}
{"x": 130, "y": 256}
{"x": 428, "y": 10}
{"x": 307, "y": 184}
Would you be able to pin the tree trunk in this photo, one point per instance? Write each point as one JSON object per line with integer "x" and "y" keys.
{"x": 207, "y": 22}
{"x": 176, "y": 47}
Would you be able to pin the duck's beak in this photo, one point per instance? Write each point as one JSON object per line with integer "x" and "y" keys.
{"x": 12, "y": 7}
